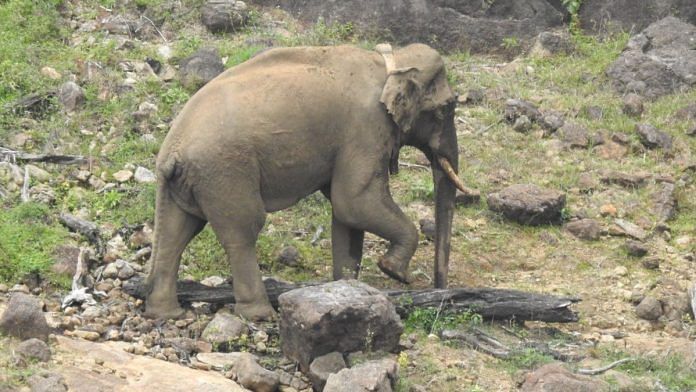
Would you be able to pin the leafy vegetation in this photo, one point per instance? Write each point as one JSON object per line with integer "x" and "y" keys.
{"x": 432, "y": 320}
{"x": 27, "y": 239}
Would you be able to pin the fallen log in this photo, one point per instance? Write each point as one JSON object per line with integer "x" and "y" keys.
{"x": 88, "y": 229}
{"x": 490, "y": 303}
{"x": 14, "y": 156}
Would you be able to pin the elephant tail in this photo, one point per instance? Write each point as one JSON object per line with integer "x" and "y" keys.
{"x": 170, "y": 167}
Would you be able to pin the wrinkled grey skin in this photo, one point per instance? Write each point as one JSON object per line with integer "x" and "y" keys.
{"x": 289, "y": 122}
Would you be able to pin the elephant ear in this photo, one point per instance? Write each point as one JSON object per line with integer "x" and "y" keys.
{"x": 402, "y": 96}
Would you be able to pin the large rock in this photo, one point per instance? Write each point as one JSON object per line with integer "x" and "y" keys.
{"x": 528, "y": 204}
{"x": 47, "y": 382}
{"x": 658, "y": 61}
{"x": 585, "y": 229}
{"x": 665, "y": 202}
{"x": 222, "y": 16}
{"x": 200, "y": 68}
{"x": 372, "y": 376}
{"x": 34, "y": 350}
{"x": 24, "y": 318}
{"x": 649, "y": 308}
{"x": 556, "y": 378}
{"x": 473, "y": 25}
{"x": 602, "y": 16}
{"x": 124, "y": 372}
{"x": 343, "y": 316}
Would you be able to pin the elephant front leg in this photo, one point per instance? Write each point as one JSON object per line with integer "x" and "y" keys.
{"x": 374, "y": 210}
{"x": 347, "y": 249}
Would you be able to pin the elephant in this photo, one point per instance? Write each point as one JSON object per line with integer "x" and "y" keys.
{"x": 290, "y": 122}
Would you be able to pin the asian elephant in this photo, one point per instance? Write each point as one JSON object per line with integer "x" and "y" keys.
{"x": 289, "y": 122}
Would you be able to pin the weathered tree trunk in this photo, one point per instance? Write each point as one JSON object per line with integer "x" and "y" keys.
{"x": 490, "y": 303}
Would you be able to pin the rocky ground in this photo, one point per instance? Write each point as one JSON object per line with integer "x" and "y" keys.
{"x": 582, "y": 150}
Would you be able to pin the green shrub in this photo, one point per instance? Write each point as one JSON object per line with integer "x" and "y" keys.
{"x": 27, "y": 239}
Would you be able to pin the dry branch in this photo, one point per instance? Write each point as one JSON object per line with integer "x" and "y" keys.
{"x": 490, "y": 303}
{"x": 86, "y": 228}
{"x": 14, "y": 156}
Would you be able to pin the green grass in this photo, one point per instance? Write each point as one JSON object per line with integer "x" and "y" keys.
{"x": 27, "y": 238}
{"x": 670, "y": 370}
{"x": 431, "y": 320}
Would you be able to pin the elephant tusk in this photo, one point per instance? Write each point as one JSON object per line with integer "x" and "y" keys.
{"x": 452, "y": 175}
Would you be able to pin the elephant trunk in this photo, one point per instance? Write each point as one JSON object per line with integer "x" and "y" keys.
{"x": 444, "y": 161}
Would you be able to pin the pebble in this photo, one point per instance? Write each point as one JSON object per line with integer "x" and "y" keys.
{"x": 608, "y": 210}
{"x": 123, "y": 175}
{"x": 3, "y": 288}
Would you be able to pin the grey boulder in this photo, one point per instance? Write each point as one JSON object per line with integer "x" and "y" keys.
{"x": 343, "y": 316}
{"x": 528, "y": 204}
{"x": 24, "y": 318}
{"x": 372, "y": 376}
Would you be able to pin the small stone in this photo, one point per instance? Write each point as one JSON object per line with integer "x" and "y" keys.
{"x": 608, "y": 210}
{"x": 110, "y": 271}
{"x": 427, "y": 227}
{"x": 253, "y": 376}
{"x": 288, "y": 255}
{"x": 213, "y": 281}
{"x": 87, "y": 335}
{"x": 651, "y": 263}
{"x": 631, "y": 229}
{"x": 473, "y": 97}
{"x": 200, "y": 68}
{"x": 126, "y": 272}
{"x": 3, "y": 288}
{"x": 123, "y": 175}
{"x": 585, "y": 229}
{"x": 71, "y": 96}
{"x": 145, "y": 110}
{"x": 574, "y": 135}
{"x": 651, "y": 137}
{"x": 377, "y": 376}
{"x": 636, "y": 248}
{"x": 20, "y": 288}
{"x": 223, "y": 329}
{"x": 143, "y": 175}
{"x": 620, "y": 271}
{"x": 322, "y": 367}
{"x": 522, "y": 124}
{"x": 626, "y": 180}
{"x": 51, "y": 73}
{"x": 594, "y": 112}
{"x": 550, "y": 43}
{"x": 649, "y": 308}
{"x": 633, "y": 105}
{"x": 514, "y": 108}
{"x": 222, "y": 16}
{"x": 260, "y": 336}
{"x": 587, "y": 182}
{"x": 34, "y": 350}
{"x": 551, "y": 122}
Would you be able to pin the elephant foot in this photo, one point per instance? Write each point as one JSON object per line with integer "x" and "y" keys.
{"x": 394, "y": 269}
{"x": 161, "y": 312}
{"x": 256, "y": 312}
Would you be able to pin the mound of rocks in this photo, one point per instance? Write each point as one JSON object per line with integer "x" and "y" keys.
{"x": 658, "y": 61}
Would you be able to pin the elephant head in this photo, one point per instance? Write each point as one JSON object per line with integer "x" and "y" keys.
{"x": 421, "y": 104}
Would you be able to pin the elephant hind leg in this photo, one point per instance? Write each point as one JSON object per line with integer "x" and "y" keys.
{"x": 237, "y": 230}
{"x": 174, "y": 229}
